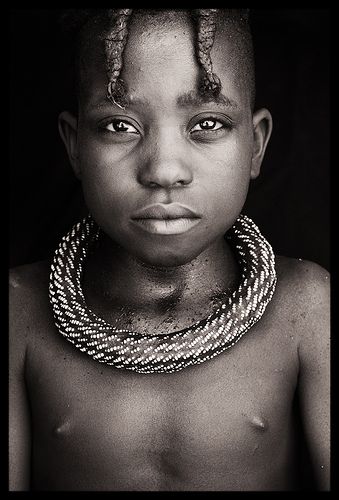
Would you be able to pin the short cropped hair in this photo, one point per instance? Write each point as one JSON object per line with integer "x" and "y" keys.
{"x": 114, "y": 26}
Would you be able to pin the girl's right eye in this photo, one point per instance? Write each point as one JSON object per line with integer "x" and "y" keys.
{"x": 119, "y": 126}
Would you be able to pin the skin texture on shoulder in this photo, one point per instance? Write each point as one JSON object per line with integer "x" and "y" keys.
{"x": 306, "y": 286}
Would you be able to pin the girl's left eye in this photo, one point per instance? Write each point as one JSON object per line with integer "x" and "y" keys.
{"x": 207, "y": 124}
{"x": 116, "y": 126}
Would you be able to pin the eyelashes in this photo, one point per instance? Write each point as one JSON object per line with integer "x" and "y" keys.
{"x": 210, "y": 129}
{"x": 119, "y": 126}
{"x": 208, "y": 124}
{"x": 207, "y": 127}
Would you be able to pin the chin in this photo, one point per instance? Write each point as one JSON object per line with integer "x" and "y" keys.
{"x": 165, "y": 259}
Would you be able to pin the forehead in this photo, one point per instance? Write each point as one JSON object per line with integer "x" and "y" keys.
{"x": 159, "y": 42}
{"x": 156, "y": 43}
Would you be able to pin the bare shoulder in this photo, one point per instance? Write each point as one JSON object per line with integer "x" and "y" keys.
{"x": 28, "y": 299}
{"x": 27, "y": 284}
{"x": 305, "y": 281}
{"x": 303, "y": 296}
{"x": 22, "y": 278}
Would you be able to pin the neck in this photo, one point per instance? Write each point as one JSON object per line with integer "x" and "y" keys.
{"x": 122, "y": 280}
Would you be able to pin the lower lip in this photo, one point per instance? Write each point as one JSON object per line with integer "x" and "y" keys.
{"x": 167, "y": 226}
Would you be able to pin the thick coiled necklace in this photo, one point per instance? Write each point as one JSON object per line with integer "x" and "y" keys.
{"x": 159, "y": 352}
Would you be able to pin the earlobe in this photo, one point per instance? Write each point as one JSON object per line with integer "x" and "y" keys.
{"x": 262, "y": 129}
{"x": 68, "y": 127}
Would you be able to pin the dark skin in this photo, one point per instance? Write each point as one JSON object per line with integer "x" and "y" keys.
{"x": 226, "y": 424}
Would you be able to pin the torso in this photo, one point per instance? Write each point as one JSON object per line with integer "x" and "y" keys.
{"x": 226, "y": 424}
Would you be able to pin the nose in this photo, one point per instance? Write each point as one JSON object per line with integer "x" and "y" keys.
{"x": 166, "y": 164}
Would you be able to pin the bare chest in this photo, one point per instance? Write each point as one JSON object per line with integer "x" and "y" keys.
{"x": 96, "y": 427}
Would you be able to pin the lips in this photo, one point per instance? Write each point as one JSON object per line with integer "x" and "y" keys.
{"x": 170, "y": 211}
{"x": 168, "y": 219}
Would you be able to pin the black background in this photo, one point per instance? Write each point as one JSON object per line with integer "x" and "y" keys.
{"x": 290, "y": 199}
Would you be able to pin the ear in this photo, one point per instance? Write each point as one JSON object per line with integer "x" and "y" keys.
{"x": 68, "y": 127}
{"x": 262, "y": 128}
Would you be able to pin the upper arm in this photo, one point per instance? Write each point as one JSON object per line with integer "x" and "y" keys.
{"x": 314, "y": 375}
{"x": 19, "y": 415}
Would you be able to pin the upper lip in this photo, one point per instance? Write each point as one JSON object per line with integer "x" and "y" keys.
{"x": 165, "y": 211}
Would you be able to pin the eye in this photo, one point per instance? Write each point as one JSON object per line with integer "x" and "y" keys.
{"x": 116, "y": 126}
{"x": 208, "y": 124}
{"x": 208, "y": 129}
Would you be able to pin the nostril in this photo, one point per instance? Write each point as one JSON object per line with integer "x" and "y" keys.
{"x": 182, "y": 183}
{"x": 153, "y": 184}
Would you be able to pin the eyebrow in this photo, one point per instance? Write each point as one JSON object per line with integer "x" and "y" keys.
{"x": 192, "y": 98}
{"x": 189, "y": 99}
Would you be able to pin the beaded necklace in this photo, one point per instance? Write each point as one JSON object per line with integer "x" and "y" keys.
{"x": 173, "y": 351}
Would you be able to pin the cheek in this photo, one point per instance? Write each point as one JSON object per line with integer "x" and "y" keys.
{"x": 229, "y": 173}
{"x": 105, "y": 183}
{"x": 102, "y": 166}
{"x": 106, "y": 197}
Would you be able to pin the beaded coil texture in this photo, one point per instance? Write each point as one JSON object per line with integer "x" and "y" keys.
{"x": 171, "y": 352}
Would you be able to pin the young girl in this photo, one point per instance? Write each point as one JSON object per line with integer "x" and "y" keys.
{"x": 164, "y": 346}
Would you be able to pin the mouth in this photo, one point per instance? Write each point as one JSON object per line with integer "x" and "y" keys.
{"x": 168, "y": 219}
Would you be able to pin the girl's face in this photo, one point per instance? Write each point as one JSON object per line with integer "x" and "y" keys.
{"x": 166, "y": 177}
